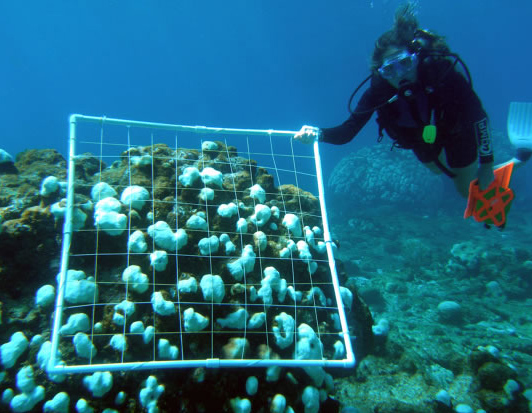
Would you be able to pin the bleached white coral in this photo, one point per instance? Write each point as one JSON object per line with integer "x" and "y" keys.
{"x": 160, "y": 305}
{"x": 187, "y": 285}
{"x": 75, "y": 323}
{"x": 194, "y": 321}
{"x": 137, "y": 242}
{"x": 242, "y": 226}
{"x": 235, "y": 348}
{"x": 159, "y": 260}
{"x": 80, "y": 289}
{"x": 189, "y": 176}
{"x": 107, "y": 216}
{"x": 135, "y": 278}
{"x": 209, "y": 146}
{"x": 339, "y": 350}
{"x": 304, "y": 251}
{"x": 149, "y": 395}
{"x": 13, "y": 349}
{"x": 278, "y": 404}
{"x": 206, "y": 194}
{"x": 296, "y": 296}
{"x": 137, "y": 327}
{"x": 165, "y": 238}
{"x": 257, "y": 320}
{"x": 49, "y": 186}
{"x": 135, "y": 196}
{"x": 291, "y": 222}
{"x": 143, "y": 160}
{"x": 316, "y": 293}
{"x": 99, "y": 383}
{"x": 252, "y": 385}
{"x": 311, "y": 399}
{"x": 309, "y": 347}
{"x": 123, "y": 310}
{"x": 284, "y": 330}
{"x": 244, "y": 264}
{"x": 83, "y": 346}
{"x": 197, "y": 222}
{"x": 276, "y": 213}
{"x": 260, "y": 240}
{"x": 166, "y": 350}
{"x": 306, "y": 256}
{"x": 209, "y": 246}
{"x": 118, "y": 342}
{"x": 211, "y": 176}
{"x": 101, "y": 191}
{"x": 239, "y": 405}
{"x": 310, "y": 237}
{"x": 235, "y": 320}
{"x": 272, "y": 282}
{"x": 31, "y": 394}
{"x": 262, "y": 215}
{"x": 347, "y": 297}
{"x": 229, "y": 246}
{"x": 258, "y": 193}
{"x": 227, "y": 210}
{"x": 212, "y": 287}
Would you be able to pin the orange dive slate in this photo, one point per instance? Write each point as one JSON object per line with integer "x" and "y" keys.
{"x": 493, "y": 204}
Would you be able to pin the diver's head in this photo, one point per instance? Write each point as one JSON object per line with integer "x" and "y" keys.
{"x": 399, "y": 51}
{"x": 399, "y": 67}
{"x": 400, "y": 36}
{"x": 394, "y": 58}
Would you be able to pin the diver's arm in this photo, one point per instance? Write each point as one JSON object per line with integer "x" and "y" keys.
{"x": 485, "y": 152}
{"x": 345, "y": 132}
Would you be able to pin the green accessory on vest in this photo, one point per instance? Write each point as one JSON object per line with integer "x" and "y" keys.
{"x": 429, "y": 134}
{"x": 429, "y": 131}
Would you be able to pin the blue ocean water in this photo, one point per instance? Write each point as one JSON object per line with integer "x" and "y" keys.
{"x": 249, "y": 64}
{"x": 234, "y": 64}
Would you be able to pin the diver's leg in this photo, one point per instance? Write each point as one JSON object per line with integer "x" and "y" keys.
{"x": 461, "y": 154}
{"x": 462, "y": 175}
{"x": 433, "y": 167}
{"x": 463, "y": 178}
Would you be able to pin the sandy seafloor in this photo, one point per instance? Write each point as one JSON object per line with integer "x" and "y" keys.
{"x": 402, "y": 262}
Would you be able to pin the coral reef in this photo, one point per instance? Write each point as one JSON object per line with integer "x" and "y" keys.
{"x": 478, "y": 353}
{"x": 159, "y": 233}
{"x": 376, "y": 174}
{"x": 450, "y": 300}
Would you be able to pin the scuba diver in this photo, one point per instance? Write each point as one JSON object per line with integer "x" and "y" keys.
{"x": 425, "y": 102}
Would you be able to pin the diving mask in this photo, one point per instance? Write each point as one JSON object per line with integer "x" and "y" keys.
{"x": 398, "y": 66}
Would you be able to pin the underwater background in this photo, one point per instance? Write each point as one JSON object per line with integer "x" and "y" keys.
{"x": 257, "y": 64}
{"x": 248, "y": 64}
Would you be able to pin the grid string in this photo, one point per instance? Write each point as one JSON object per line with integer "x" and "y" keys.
{"x": 296, "y": 307}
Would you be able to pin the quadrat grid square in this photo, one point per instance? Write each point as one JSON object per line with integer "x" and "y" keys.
{"x": 193, "y": 246}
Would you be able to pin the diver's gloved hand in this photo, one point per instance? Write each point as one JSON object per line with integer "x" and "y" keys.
{"x": 485, "y": 175}
{"x": 308, "y": 134}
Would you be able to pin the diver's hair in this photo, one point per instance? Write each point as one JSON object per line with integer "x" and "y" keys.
{"x": 402, "y": 34}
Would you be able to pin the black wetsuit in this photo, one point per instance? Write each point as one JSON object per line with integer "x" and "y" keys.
{"x": 442, "y": 93}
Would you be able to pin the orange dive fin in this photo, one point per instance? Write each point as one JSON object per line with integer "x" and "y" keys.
{"x": 492, "y": 205}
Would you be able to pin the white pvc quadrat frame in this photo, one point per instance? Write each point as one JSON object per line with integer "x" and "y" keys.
{"x": 56, "y": 366}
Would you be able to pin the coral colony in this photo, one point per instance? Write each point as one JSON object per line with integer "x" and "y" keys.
{"x": 190, "y": 255}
